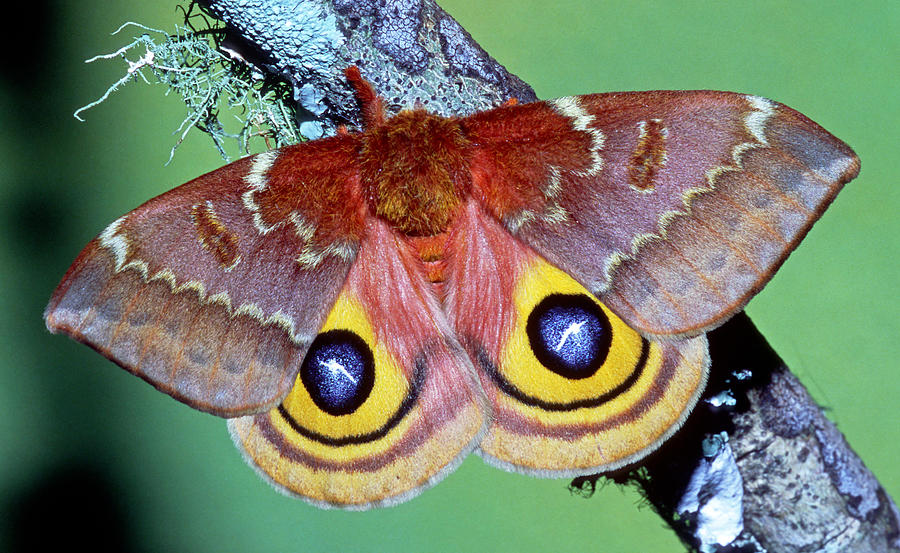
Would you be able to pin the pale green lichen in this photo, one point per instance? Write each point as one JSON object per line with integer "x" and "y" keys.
{"x": 211, "y": 85}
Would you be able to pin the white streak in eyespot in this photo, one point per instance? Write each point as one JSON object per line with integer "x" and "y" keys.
{"x": 116, "y": 242}
{"x": 256, "y": 181}
{"x": 570, "y": 106}
{"x": 574, "y": 328}
{"x": 336, "y": 368}
{"x": 755, "y": 124}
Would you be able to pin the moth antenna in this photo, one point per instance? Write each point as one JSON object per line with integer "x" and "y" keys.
{"x": 372, "y": 105}
{"x": 511, "y": 102}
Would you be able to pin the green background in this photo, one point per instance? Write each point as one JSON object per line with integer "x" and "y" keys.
{"x": 73, "y": 421}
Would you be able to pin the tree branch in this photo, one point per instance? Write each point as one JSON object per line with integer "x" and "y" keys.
{"x": 411, "y": 51}
{"x": 758, "y": 466}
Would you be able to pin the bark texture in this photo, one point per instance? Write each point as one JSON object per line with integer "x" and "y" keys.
{"x": 758, "y": 467}
{"x": 412, "y": 51}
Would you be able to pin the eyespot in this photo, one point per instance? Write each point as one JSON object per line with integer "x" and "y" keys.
{"x": 569, "y": 334}
{"x": 566, "y": 350}
{"x": 338, "y": 372}
{"x": 574, "y": 389}
{"x": 350, "y": 388}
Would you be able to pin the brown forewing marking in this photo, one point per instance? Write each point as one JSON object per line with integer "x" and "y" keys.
{"x": 214, "y": 236}
{"x": 114, "y": 240}
{"x": 649, "y": 156}
{"x": 569, "y": 107}
{"x": 754, "y": 124}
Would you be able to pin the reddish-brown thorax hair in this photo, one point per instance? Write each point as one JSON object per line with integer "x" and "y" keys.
{"x": 414, "y": 167}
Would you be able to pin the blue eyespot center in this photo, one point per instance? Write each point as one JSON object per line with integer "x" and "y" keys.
{"x": 338, "y": 372}
{"x": 569, "y": 334}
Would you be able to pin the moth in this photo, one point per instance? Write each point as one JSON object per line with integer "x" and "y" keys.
{"x": 533, "y": 283}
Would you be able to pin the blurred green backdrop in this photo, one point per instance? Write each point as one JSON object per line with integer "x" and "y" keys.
{"x": 76, "y": 429}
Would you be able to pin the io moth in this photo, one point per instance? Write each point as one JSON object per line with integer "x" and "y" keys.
{"x": 532, "y": 283}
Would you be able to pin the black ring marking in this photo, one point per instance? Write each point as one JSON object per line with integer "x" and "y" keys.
{"x": 552, "y": 318}
{"x": 333, "y": 393}
{"x": 510, "y": 389}
{"x": 419, "y": 375}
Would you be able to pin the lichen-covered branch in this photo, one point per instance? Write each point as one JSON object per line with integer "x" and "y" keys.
{"x": 411, "y": 51}
{"x": 758, "y": 467}
{"x": 187, "y": 63}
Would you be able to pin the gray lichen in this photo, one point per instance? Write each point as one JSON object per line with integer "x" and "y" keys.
{"x": 188, "y": 64}
{"x": 395, "y": 30}
{"x": 802, "y": 482}
{"x": 464, "y": 53}
{"x": 410, "y": 50}
{"x": 714, "y": 496}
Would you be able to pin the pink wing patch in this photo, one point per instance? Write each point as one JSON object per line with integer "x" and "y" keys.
{"x": 562, "y": 373}
{"x": 423, "y": 414}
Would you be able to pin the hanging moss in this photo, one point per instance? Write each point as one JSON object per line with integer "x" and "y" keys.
{"x": 225, "y": 97}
